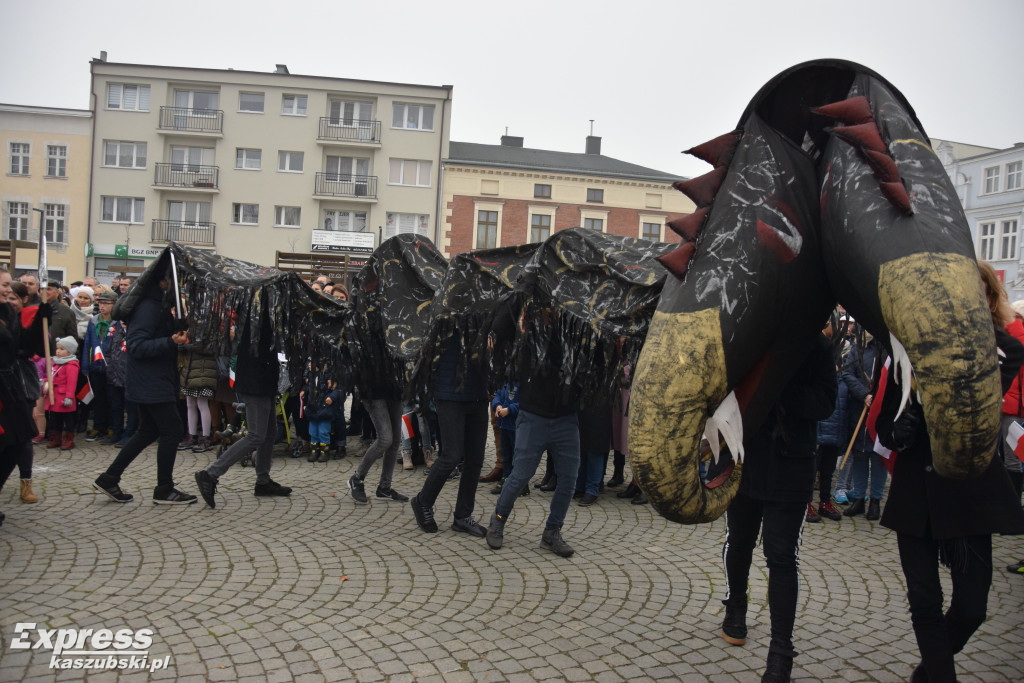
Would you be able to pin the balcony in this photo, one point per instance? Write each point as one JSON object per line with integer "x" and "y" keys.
{"x": 335, "y": 185}
{"x": 353, "y": 132}
{"x": 185, "y": 232}
{"x": 193, "y": 177}
{"x": 192, "y": 121}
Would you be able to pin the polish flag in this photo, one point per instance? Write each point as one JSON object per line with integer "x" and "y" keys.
{"x": 1015, "y": 439}
{"x": 85, "y": 394}
{"x": 407, "y": 429}
{"x": 888, "y": 456}
{"x": 231, "y": 377}
{"x": 97, "y": 355}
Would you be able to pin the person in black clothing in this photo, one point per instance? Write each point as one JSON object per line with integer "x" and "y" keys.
{"x": 152, "y": 383}
{"x": 256, "y": 385}
{"x": 777, "y": 485}
{"x": 950, "y": 520}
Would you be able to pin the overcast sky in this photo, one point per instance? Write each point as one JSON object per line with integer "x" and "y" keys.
{"x": 657, "y": 77}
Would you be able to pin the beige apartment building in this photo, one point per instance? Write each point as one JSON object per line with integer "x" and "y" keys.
{"x": 250, "y": 163}
{"x": 46, "y": 181}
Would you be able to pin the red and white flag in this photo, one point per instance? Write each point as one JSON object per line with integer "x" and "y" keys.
{"x": 85, "y": 394}
{"x": 407, "y": 429}
{"x": 97, "y": 355}
{"x": 231, "y": 377}
{"x": 888, "y": 456}
{"x": 1015, "y": 439}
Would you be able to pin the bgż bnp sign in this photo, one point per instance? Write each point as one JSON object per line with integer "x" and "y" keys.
{"x": 343, "y": 241}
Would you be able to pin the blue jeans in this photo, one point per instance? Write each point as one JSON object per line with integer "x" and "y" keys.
{"x": 592, "y": 467}
{"x": 508, "y": 451}
{"x": 320, "y": 431}
{"x": 559, "y": 436}
{"x": 861, "y": 462}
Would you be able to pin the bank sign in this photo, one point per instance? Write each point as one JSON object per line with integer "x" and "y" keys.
{"x": 343, "y": 241}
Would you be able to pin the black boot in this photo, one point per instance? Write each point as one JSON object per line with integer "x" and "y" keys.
{"x": 619, "y": 460}
{"x": 631, "y": 491}
{"x": 734, "y": 625}
{"x": 874, "y": 510}
{"x": 779, "y": 667}
{"x": 549, "y": 473}
{"x": 856, "y": 508}
{"x": 551, "y": 485}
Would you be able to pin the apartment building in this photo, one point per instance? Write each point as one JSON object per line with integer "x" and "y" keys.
{"x": 46, "y": 182}
{"x": 990, "y": 184}
{"x": 507, "y": 194}
{"x": 250, "y": 163}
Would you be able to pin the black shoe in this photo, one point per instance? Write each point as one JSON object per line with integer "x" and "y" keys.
{"x": 856, "y": 508}
{"x": 874, "y": 510}
{"x": 424, "y": 516}
{"x": 550, "y": 486}
{"x": 553, "y": 541}
{"x": 314, "y": 453}
{"x": 469, "y": 526}
{"x": 355, "y": 487}
{"x": 324, "y": 455}
{"x": 389, "y": 494}
{"x": 456, "y": 473}
{"x": 616, "y": 480}
{"x": 548, "y": 476}
{"x": 779, "y": 668}
{"x": 525, "y": 491}
{"x": 630, "y": 491}
{"x": 577, "y": 494}
{"x": 496, "y": 532}
{"x": 497, "y": 488}
{"x": 734, "y": 625}
{"x": 168, "y": 495}
{"x": 587, "y": 499}
{"x": 639, "y": 499}
{"x": 1016, "y": 567}
{"x": 108, "y": 485}
{"x": 271, "y": 488}
{"x": 207, "y": 487}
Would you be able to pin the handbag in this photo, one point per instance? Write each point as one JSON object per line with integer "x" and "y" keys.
{"x": 21, "y": 380}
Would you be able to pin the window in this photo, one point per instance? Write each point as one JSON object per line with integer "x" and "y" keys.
{"x": 1015, "y": 175}
{"x": 987, "y": 241}
{"x": 405, "y": 223}
{"x": 251, "y": 159}
{"x": 17, "y": 221}
{"x": 651, "y": 231}
{"x": 287, "y": 216}
{"x": 54, "y": 223}
{"x": 123, "y": 209}
{"x": 991, "y": 180}
{"x": 289, "y": 161}
{"x": 413, "y": 116}
{"x": 246, "y": 214}
{"x": 250, "y": 102}
{"x": 124, "y": 154}
{"x": 57, "y": 161}
{"x": 350, "y": 221}
{"x": 542, "y": 191}
{"x": 19, "y": 158}
{"x": 190, "y": 158}
{"x": 596, "y": 224}
{"x": 540, "y": 227}
{"x": 346, "y": 113}
{"x": 486, "y": 229}
{"x": 595, "y": 195}
{"x": 200, "y": 103}
{"x": 293, "y": 105}
{"x": 1008, "y": 241}
{"x": 409, "y": 172}
{"x": 127, "y": 97}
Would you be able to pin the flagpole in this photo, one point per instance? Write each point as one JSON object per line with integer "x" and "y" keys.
{"x": 856, "y": 431}
{"x": 43, "y": 276}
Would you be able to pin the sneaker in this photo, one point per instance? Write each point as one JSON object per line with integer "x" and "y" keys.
{"x": 389, "y": 494}
{"x": 469, "y": 526}
{"x": 168, "y": 495}
{"x": 201, "y": 445}
{"x": 185, "y": 444}
{"x": 355, "y": 487}
{"x": 271, "y": 488}
{"x": 553, "y": 541}
{"x": 812, "y": 513}
{"x": 829, "y": 511}
{"x": 207, "y": 484}
{"x": 93, "y": 434}
{"x": 108, "y": 485}
{"x": 41, "y": 438}
{"x": 497, "y": 488}
{"x": 496, "y": 531}
{"x": 734, "y": 625}
{"x": 424, "y": 516}
{"x": 1016, "y": 568}
{"x": 123, "y": 441}
{"x": 841, "y": 497}
{"x": 110, "y": 440}
{"x": 587, "y": 499}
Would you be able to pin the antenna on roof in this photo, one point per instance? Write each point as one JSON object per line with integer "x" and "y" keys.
{"x": 506, "y": 130}
{"x": 591, "y": 126}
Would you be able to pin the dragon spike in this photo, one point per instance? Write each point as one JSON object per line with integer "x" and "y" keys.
{"x": 862, "y": 135}
{"x": 678, "y": 260}
{"x": 717, "y": 152}
{"x": 702, "y": 189}
{"x": 882, "y": 165}
{"x": 689, "y": 225}
{"x": 897, "y": 195}
{"x": 852, "y": 111}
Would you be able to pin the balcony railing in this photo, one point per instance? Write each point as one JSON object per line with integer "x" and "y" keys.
{"x": 192, "y": 120}
{"x": 345, "y": 185}
{"x": 186, "y": 232}
{"x": 187, "y": 175}
{"x": 349, "y": 130}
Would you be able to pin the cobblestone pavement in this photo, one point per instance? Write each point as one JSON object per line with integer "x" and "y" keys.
{"x": 314, "y": 587}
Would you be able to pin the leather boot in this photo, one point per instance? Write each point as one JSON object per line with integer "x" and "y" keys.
{"x": 779, "y": 667}
{"x": 874, "y": 509}
{"x": 550, "y": 486}
{"x": 496, "y": 472}
{"x": 618, "y": 477}
{"x": 734, "y": 624}
{"x": 55, "y": 439}
{"x": 69, "y": 441}
{"x": 26, "y": 492}
{"x": 856, "y": 508}
{"x": 631, "y": 491}
{"x": 549, "y": 474}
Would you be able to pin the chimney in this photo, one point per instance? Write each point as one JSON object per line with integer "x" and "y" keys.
{"x": 281, "y": 69}
{"x": 593, "y": 144}
{"x": 511, "y": 141}
{"x": 103, "y": 55}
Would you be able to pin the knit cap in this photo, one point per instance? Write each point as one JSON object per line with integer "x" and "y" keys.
{"x": 68, "y": 344}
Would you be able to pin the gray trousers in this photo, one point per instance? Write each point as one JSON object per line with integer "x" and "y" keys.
{"x": 261, "y": 423}
{"x": 386, "y": 416}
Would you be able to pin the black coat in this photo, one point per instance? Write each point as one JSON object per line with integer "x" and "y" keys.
{"x": 17, "y": 344}
{"x": 779, "y": 461}
{"x": 152, "y": 373}
{"x": 257, "y": 374}
{"x": 924, "y": 505}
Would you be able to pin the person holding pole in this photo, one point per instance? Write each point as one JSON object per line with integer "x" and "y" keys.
{"x": 859, "y": 375}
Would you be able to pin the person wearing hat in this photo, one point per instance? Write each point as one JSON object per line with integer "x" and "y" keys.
{"x": 62, "y": 320}
{"x": 96, "y": 348}
{"x": 64, "y": 380}
{"x": 82, "y": 304}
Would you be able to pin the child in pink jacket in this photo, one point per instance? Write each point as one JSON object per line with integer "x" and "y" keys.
{"x": 61, "y": 413}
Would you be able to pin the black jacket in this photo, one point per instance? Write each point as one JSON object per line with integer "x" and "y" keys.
{"x": 779, "y": 457}
{"x": 922, "y": 504}
{"x": 257, "y": 375}
{"x": 152, "y": 374}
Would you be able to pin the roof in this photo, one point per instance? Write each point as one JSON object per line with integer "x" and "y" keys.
{"x": 504, "y": 156}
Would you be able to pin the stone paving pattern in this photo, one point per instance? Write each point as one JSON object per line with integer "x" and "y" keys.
{"x": 314, "y": 587}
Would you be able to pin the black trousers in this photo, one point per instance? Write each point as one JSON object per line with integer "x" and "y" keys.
{"x": 940, "y": 636}
{"x": 782, "y": 524}
{"x": 156, "y": 421}
{"x": 464, "y": 426}
{"x": 826, "y": 456}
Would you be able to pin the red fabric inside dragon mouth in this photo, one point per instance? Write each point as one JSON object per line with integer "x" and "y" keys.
{"x": 722, "y": 477}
